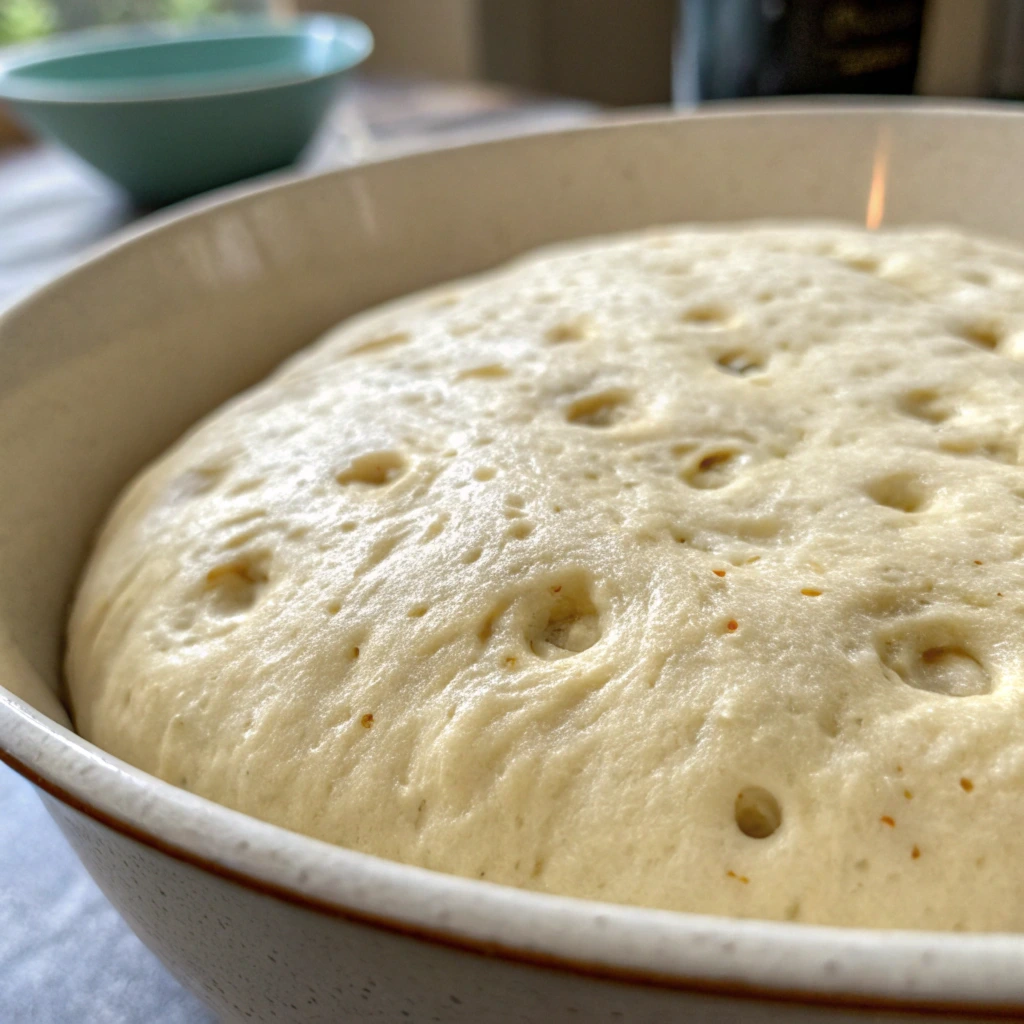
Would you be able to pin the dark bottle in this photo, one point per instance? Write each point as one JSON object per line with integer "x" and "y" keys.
{"x": 734, "y": 48}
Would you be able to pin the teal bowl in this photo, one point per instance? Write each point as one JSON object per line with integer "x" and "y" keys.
{"x": 167, "y": 112}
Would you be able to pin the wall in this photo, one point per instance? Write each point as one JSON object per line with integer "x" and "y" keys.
{"x": 429, "y": 38}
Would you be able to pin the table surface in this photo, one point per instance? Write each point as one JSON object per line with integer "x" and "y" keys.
{"x": 65, "y": 954}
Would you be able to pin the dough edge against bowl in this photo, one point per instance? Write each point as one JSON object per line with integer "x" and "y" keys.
{"x": 563, "y": 640}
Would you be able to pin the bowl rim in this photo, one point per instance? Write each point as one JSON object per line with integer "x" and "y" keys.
{"x": 903, "y": 972}
{"x": 154, "y": 35}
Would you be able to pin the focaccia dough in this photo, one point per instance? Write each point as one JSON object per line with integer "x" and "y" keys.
{"x": 682, "y": 569}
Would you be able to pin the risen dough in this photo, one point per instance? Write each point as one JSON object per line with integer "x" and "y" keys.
{"x": 683, "y": 569}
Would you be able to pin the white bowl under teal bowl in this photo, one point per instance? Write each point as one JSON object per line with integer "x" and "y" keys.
{"x": 104, "y": 368}
{"x": 168, "y": 112}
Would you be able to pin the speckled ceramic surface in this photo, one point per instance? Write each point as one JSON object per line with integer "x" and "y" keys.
{"x": 99, "y": 371}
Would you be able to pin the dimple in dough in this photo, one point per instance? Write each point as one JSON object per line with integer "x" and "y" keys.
{"x": 682, "y": 569}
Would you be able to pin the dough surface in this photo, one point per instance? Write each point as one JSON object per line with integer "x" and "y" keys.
{"x": 682, "y": 569}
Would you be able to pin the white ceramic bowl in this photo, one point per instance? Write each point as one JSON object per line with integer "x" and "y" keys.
{"x": 102, "y": 369}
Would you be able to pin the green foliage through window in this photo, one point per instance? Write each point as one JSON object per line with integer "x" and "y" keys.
{"x": 21, "y": 20}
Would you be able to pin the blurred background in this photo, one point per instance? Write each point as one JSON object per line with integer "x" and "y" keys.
{"x": 626, "y": 52}
{"x": 623, "y": 53}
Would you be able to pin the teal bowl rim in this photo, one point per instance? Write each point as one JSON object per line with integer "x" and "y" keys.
{"x": 175, "y": 87}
